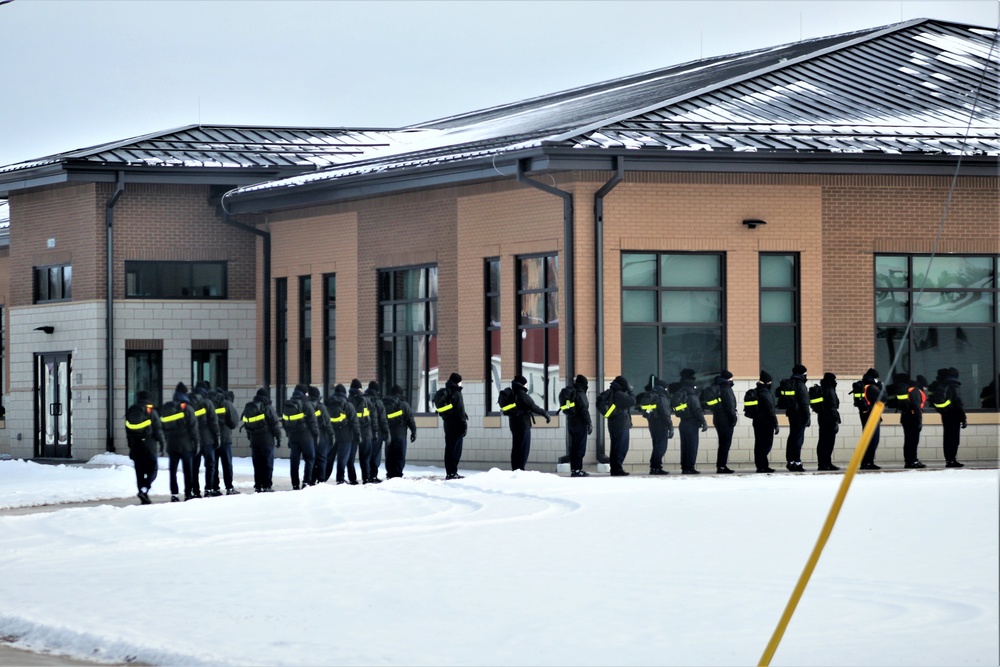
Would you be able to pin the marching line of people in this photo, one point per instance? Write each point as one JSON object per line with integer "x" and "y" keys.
{"x": 328, "y": 437}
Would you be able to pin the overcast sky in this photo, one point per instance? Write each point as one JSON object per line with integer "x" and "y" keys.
{"x": 78, "y": 73}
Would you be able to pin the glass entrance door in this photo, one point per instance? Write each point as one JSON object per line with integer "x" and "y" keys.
{"x": 53, "y": 410}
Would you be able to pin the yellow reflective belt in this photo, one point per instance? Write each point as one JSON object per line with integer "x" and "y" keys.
{"x": 341, "y": 418}
{"x": 139, "y": 426}
{"x": 567, "y": 405}
{"x": 816, "y": 400}
{"x": 902, "y": 397}
{"x": 199, "y": 413}
{"x": 610, "y": 410}
{"x": 450, "y": 406}
{"x": 317, "y": 413}
{"x": 292, "y": 418}
{"x": 250, "y": 420}
{"x": 749, "y": 402}
{"x": 505, "y": 408}
{"x": 648, "y": 408}
{"x": 393, "y": 415}
{"x": 681, "y": 408}
{"x": 943, "y": 405}
{"x": 858, "y": 395}
{"x": 366, "y": 413}
{"x": 714, "y": 401}
{"x": 220, "y": 411}
{"x": 788, "y": 393}
{"x": 173, "y": 417}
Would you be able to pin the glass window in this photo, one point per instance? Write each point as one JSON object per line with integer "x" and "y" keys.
{"x": 538, "y": 327}
{"x": 211, "y": 366}
{"x": 175, "y": 280}
{"x": 952, "y": 300}
{"x": 305, "y": 330}
{"x": 492, "y": 325}
{"x": 143, "y": 372}
{"x": 53, "y": 283}
{"x": 329, "y": 333}
{"x": 281, "y": 338}
{"x": 779, "y": 312}
{"x": 408, "y": 333}
{"x": 672, "y": 314}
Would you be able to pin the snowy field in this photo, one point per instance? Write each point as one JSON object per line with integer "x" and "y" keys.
{"x": 504, "y": 568}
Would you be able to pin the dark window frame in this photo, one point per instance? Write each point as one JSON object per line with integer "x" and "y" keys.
{"x": 154, "y": 360}
{"x": 550, "y": 321}
{"x": 200, "y": 358}
{"x": 658, "y": 321}
{"x": 388, "y": 340}
{"x": 172, "y": 267}
{"x": 42, "y": 283}
{"x": 281, "y": 338}
{"x": 796, "y": 291}
{"x": 491, "y": 328}
{"x": 305, "y": 330}
{"x": 329, "y": 333}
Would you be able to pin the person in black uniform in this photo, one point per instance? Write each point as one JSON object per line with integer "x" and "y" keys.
{"x": 578, "y": 426}
{"x": 765, "y": 423}
{"x": 828, "y": 418}
{"x": 619, "y": 420}
{"x": 909, "y": 399}
{"x": 654, "y": 402}
{"x": 692, "y": 419}
{"x": 456, "y": 425}
{"x": 380, "y": 429}
{"x": 724, "y": 417}
{"x": 143, "y": 431}
{"x": 324, "y": 444}
{"x": 799, "y": 419}
{"x": 180, "y": 428}
{"x": 520, "y": 423}
{"x": 366, "y": 416}
{"x": 399, "y": 416}
{"x": 208, "y": 434}
{"x": 225, "y": 413}
{"x": 298, "y": 416}
{"x": 263, "y": 429}
{"x": 346, "y": 435}
{"x": 953, "y": 418}
{"x": 872, "y": 390}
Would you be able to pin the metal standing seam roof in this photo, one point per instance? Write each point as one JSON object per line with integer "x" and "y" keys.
{"x": 904, "y": 88}
{"x": 231, "y": 146}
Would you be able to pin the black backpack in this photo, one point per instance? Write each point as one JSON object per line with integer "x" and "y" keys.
{"x": 750, "y": 403}
{"x": 567, "y": 400}
{"x": 138, "y": 424}
{"x": 606, "y": 402}
{"x": 816, "y": 398}
{"x": 335, "y": 407}
{"x": 393, "y": 407}
{"x": 941, "y": 398}
{"x": 362, "y": 409}
{"x": 293, "y": 415}
{"x": 786, "y": 395}
{"x": 507, "y": 401}
{"x": 897, "y": 396}
{"x": 253, "y": 418}
{"x": 860, "y": 397}
{"x": 172, "y": 417}
{"x": 711, "y": 397}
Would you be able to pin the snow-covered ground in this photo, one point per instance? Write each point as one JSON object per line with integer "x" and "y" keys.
{"x": 505, "y": 568}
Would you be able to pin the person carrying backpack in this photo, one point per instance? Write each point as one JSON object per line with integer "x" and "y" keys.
{"x": 687, "y": 405}
{"x": 765, "y": 423}
{"x": 654, "y": 402}
{"x": 450, "y": 407}
{"x": 366, "y": 415}
{"x": 143, "y": 430}
{"x": 324, "y": 445}
{"x": 346, "y": 435}
{"x": 208, "y": 435}
{"x": 871, "y": 390}
{"x": 799, "y": 419}
{"x": 616, "y": 403}
{"x": 520, "y": 422}
{"x": 225, "y": 413}
{"x": 298, "y": 417}
{"x": 908, "y": 398}
{"x": 576, "y": 408}
{"x": 399, "y": 416}
{"x": 263, "y": 428}
{"x": 724, "y": 416}
{"x": 180, "y": 428}
{"x": 952, "y": 411}
{"x": 380, "y": 428}
{"x": 828, "y": 418}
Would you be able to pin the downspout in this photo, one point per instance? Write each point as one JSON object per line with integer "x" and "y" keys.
{"x": 266, "y": 296}
{"x": 619, "y": 176}
{"x": 569, "y": 326}
{"x": 109, "y": 243}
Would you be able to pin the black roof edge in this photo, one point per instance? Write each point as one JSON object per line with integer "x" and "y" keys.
{"x": 553, "y": 159}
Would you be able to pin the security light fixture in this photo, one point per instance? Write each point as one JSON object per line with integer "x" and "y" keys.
{"x": 752, "y": 224}
{"x": 46, "y": 329}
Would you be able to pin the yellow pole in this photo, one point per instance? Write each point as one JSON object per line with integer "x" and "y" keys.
{"x": 831, "y": 518}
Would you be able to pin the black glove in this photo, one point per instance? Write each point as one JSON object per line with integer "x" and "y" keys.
{"x": 413, "y": 437}
{"x": 836, "y": 429}
{"x": 590, "y": 429}
{"x": 277, "y": 444}
{"x": 704, "y": 426}
{"x": 777, "y": 429}
{"x": 161, "y": 451}
{"x": 964, "y": 424}
{"x": 464, "y": 431}
{"x": 547, "y": 419}
{"x": 670, "y": 434}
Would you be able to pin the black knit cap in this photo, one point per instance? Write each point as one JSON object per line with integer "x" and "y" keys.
{"x": 340, "y": 389}
{"x": 521, "y": 380}
{"x": 313, "y": 392}
{"x": 688, "y": 374}
{"x": 302, "y": 389}
{"x": 581, "y": 381}
{"x": 262, "y": 392}
{"x": 142, "y": 397}
{"x": 181, "y": 388}
{"x": 765, "y": 377}
{"x": 798, "y": 369}
{"x": 663, "y": 384}
{"x": 901, "y": 377}
{"x": 726, "y": 375}
{"x": 922, "y": 381}
{"x": 395, "y": 390}
{"x": 355, "y": 383}
{"x": 952, "y": 372}
{"x": 373, "y": 385}
{"x": 871, "y": 373}
{"x": 829, "y": 380}
{"x": 455, "y": 377}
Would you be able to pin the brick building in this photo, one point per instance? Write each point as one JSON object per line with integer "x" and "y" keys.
{"x": 744, "y": 212}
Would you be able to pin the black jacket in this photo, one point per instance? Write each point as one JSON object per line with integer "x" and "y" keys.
{"x": 398, "y": 424}
{"x": 380, "y": 426}
{"x": 767, "y": 413}
{"x": 695, "y": 411}
{"x": 726, "y": 409}
{"x": 347, "y": 430}
{"x": 580, "y": 416}
{"x": 455, "y": 418}
{"x": 208, "y": 421}
{"x": 800, "y": 402}
{"x": 623, "y": 398}
{"x": 180, "y": 426}
{"x": 831, "y": 402}
{"x": 526, "y": 407}
{"x": 308, "y": 415}
{"x": 271, "y": 422}
{"x": 957, "y": 409}
{"x": 655, "y": 404}
{"x": 155, "y": 434}
{"x": 228, "y": 418}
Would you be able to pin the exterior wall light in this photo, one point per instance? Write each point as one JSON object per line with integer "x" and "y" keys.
{"x": 46, "y": 329}
{"x": 752, "y": 224}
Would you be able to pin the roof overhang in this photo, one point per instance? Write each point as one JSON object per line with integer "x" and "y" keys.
{"x": 553, "y": 159}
